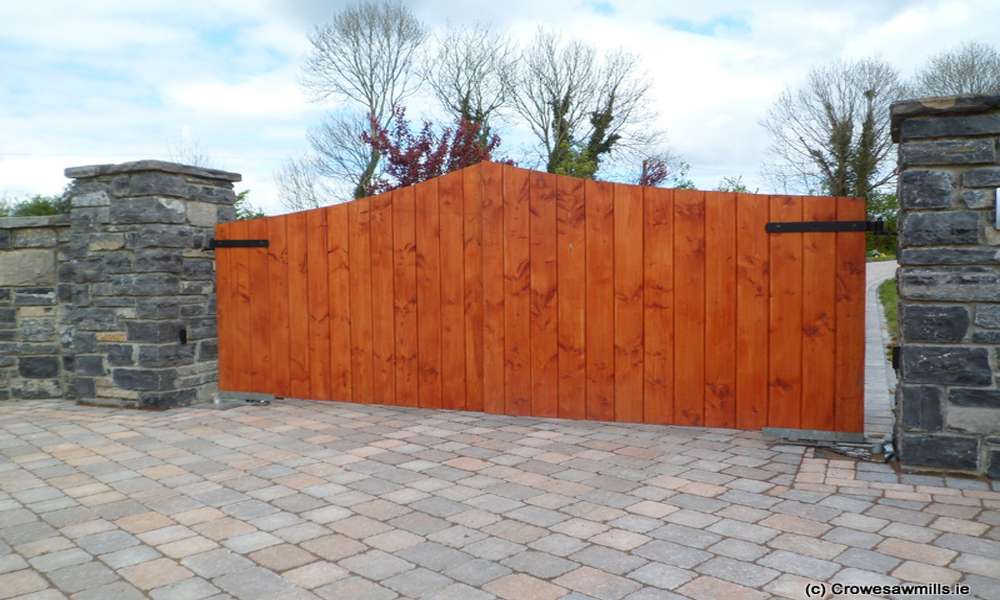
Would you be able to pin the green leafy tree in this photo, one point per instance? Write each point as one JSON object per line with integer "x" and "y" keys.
{"x": 38, "y": 206}
{"x": 882, "y": 206}
{"x": 244, "y": 209}
{"x": 734, "y": 184}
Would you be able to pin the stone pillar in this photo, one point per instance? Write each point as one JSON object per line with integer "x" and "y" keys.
{"x": 30, "y": 356}
{"x": 948, "y": 399}
{"x": 138, "y": 282}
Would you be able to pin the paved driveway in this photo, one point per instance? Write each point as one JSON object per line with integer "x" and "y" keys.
{"x": 340, "y": 501}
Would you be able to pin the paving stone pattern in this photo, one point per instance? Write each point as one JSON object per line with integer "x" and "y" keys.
{"x": 305, "y": 500}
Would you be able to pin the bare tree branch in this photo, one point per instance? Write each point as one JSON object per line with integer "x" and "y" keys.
{"x": 973, "y": 68}
{"x": 366, "y": 55}
{"x": 583, "y": 109}
{"x": 300, "y": 187}
{"x": 470, "y": 72}
{"x": 832, "y": 134}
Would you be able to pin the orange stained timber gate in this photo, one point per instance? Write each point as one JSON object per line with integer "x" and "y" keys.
{"x": 503, "y": 290}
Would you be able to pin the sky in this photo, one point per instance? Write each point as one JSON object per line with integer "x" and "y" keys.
{"x": 114, "y": 81}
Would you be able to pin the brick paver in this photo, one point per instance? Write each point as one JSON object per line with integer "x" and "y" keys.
{"x": 325, "y": 500}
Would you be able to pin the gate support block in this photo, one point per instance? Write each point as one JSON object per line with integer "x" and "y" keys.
{"x": 813, "y": 435}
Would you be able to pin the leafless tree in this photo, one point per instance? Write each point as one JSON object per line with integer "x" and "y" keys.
{"x": 470, "y": 73}
{"x": 582, "y": 108}
{"x": 339, "y": 152}
{"x": 973, "y": 68}
{"x": 189, "y": 151}
{"x": 832, "y": 134}
{"x": 300, "y": 186}
{"x": 366, "y": 55}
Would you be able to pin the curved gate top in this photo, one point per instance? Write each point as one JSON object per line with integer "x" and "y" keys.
{"x": 503, "y": 290}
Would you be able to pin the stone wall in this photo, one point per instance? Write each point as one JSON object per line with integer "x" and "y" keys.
{"x": 948, "y": 398}
{"x": 118, "y": 306}
{"x": 30, "y": 360}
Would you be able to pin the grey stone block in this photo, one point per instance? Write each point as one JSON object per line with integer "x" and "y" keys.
{"x": 144, "y": 379}
{"x": 30, "y": 267}
{"x": 921, "y": 189}
{"x": 83, "y": 387}
{"x": 208, "y": 350}
{"x": 984, "y": 421}
{"x": 950, "y": 126}
{"x": 946, "y": 365}
{"x": 947, "y": 283}
{"x": 158, "y": 261}
{"x": 38, "y": 367}
{"x": 160, "y": 236}
{"x": 949, "y": 256}
{"x": 146, "y": 284}
{"x": 89, "y": 365}
{"x": 35, "y": 238}
{"x": 985, "y": 177}
{"x": 974, "y": 398}
{"x": 933, "y": 323}
{"x": 157, "y": 309}
{"x": 986, "y": 337}
{"x": 939, "y": 228}
{"x": 153, "y": 183}
{"x": 993, "y": 469}
{"x": 984, "y": 198}
{"x": 939, "y": 451}
{"x": 156, "y": 332}
{"x": 920, "y": 407}
{"x": 988, "y": 315}
{"x": 949, "y": 152}
{"x": 168, "y": 355}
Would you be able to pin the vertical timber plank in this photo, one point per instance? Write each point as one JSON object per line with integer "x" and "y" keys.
{"x": 658, "y": 300}
{"x": 277, "y": 271}
{"x": 850, "y": 320}
{"x": 544, "y": 317}
{"x": 383, "y": 318}
{"x": 472, "y": 194}
{"x": 720, "y": 309}
{"x": 493, "y": 288}
{"x": 571, "y": 268}
{"x": 243, "y": 350}
{"x": 428, "y": 236}
{"x": 452, "y": 291}
{"x": 260, "y": 309}
{"x": 819, "y": 312}
{"x": 785, "y": 371}
{"x": 405, "y": 302}
{"x": 752, "y": 298}
{"x": 629, "y": 377}
{"x": 319, "y": 306}
{"x": 298, "y": 306}
{"x": 689, "y": 316}
{"x": 339, "y": 265}
{"x": 600, "y": 346}
{"x": 361, "y": 301}
{"x": 517, "y": 292}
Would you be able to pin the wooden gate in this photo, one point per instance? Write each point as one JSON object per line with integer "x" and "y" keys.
{"x": 503, "y": 290}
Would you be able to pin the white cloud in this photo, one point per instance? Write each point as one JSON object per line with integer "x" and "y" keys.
{"x": 259, "y": 97}
{"x": 121, "y": 80}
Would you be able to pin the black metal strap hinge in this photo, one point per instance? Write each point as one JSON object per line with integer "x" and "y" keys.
{"x": 876, "y": 227}
{"x": 214, "y": 243}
